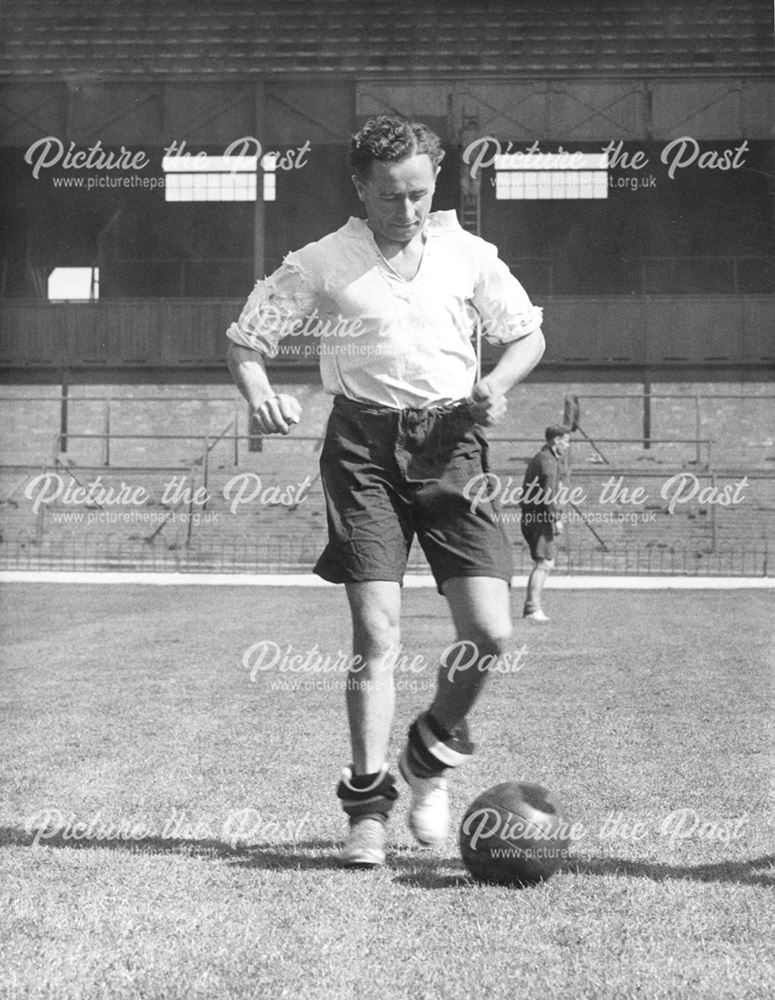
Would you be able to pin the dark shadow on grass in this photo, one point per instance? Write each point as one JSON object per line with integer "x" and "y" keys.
{"x": 302, "y": 855}
{"x": 311, "y": 855}
{"x": 418, "y": 869}
{"x": 750, "y": 872}
{"x": 293, "y": 854}
{"x": 433, "y": 880}
{"x": 414, "y": 865}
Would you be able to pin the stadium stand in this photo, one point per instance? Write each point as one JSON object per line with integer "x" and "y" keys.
{"x": 669, "y": 280}
{"x": 342, "y": 37}
{"x": 693, "y": 253}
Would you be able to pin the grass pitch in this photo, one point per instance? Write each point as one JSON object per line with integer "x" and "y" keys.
{"x": 168, "y": 821}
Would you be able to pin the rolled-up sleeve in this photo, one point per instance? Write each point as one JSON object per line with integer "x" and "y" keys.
{"x": 504, "y": 307}
{"x": 276, "y": 307}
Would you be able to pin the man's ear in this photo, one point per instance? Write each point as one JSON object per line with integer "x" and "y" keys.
{"x": 359, "y": 186}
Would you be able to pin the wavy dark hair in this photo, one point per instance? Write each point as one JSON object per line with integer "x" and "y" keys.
{"x": 391, "y": 139}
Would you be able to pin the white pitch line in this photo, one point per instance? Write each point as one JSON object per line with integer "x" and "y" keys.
{"x": 557, "y": 582}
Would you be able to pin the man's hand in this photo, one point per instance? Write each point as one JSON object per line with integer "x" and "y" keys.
{"x": 487, "y": 406}
{"x": 275, "y": 413}
{"x": 559, "y": 527}
{"x": 278, "y": 414}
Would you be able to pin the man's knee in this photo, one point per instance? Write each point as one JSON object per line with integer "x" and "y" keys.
{"x": 491, "y": 640}
{"x": 376, "y": 631}
{"x": 376, "y": 615}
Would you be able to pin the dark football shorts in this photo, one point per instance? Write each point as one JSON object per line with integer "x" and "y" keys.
{"x": 389, "y": 475}
{"x": 538, "y": 532}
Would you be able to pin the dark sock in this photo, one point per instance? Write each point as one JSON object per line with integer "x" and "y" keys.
{"x": 425, "y": 764}
{"x": 459, "y": 734}
{"x": 366, "y": 794}
{"x": 363, "y": 780}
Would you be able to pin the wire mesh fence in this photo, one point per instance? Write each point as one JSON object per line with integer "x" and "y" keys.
{"x": 294, "y": 554}
{"x": 102, "y": 446}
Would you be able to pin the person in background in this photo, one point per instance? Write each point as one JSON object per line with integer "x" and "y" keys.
{"x": 541, "y": 519}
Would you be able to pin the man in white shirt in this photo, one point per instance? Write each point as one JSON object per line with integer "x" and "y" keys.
{"x": 396, "y": 299}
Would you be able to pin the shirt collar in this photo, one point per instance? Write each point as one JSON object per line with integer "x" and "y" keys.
{"x": 436, "y": 224}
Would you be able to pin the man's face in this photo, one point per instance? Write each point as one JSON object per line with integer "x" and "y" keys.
{"x": 398, "y": 196}
{"x": 561, "y": 444}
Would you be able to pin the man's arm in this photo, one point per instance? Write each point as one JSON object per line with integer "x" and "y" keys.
{"x": 516, "y": 363}
{"x": 270, "y": 313}
{"x": 274, "y": 413}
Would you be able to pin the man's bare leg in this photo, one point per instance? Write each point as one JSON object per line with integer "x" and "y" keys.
{"x": 367, "y": 789}
{"x": 481, "y": 611}
{"x": 375, "y": 607}
{"x": 439, "y": 738}
{"x": 535, "y": 585}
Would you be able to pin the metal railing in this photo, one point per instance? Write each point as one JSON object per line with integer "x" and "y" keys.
{"x": 289, "y": 553}
{"x": 183, "y": 504}
{"x": 645, "y": 399}
{"x": 203, "y": 549}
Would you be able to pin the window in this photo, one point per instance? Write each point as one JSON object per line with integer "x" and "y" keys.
{"x": 269, "y": 164}
{"x": 74, "y": 284}
{"x": 210, "y": 178}
{"x": 551, "y": 176}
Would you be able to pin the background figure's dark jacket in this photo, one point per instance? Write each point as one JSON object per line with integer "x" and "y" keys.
{"x": 546, "y": 470}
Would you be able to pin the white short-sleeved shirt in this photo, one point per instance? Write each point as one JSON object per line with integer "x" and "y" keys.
{"x": 384, "y": 339}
